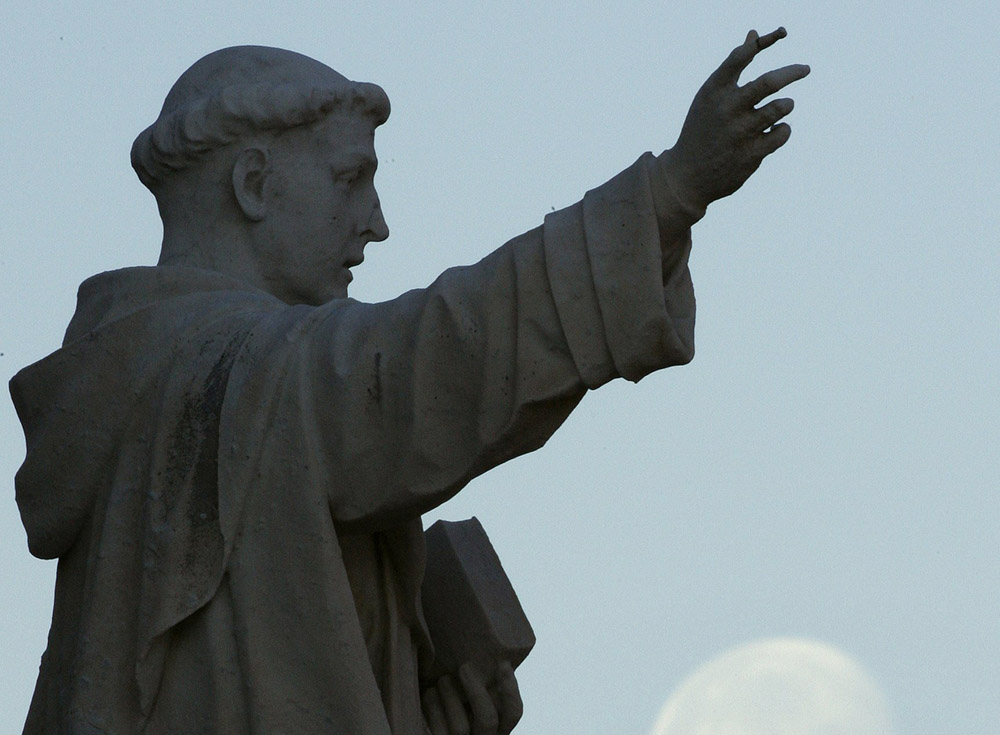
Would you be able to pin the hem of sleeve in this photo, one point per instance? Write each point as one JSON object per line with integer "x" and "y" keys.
{"x": 626, "y": 247}
{"x": 621, "y": 314}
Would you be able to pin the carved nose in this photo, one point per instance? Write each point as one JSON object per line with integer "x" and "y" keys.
{"x": 377, "y": 229}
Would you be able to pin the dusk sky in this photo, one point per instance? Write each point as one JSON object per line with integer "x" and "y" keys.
{"x": 826, "y": 468}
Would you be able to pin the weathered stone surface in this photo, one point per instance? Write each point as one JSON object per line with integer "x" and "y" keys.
{"x": 230, "y": 457}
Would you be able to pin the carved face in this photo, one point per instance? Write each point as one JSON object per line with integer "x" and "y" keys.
{"x": 321, "y": 208}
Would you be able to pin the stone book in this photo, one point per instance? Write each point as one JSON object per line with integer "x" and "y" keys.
{"x": 470, "y": 607}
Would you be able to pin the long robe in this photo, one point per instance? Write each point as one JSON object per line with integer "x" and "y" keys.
{"x": 233, "y": 486}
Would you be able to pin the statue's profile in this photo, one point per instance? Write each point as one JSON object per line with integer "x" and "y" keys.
{"x": 230, "y": 457}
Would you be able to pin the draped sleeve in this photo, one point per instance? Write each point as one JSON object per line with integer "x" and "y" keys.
{"x": 394, "y": 407}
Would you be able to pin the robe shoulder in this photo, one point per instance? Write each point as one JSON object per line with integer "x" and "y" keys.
{"x": 101, "y": 387}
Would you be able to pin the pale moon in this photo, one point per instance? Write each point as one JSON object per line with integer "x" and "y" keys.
{"x": 781, "y": 686}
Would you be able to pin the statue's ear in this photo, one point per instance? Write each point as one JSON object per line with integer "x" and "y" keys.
{"x": 249, "y": 175}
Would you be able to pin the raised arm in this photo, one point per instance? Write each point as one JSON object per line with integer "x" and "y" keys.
{"x": 396, "y": 406}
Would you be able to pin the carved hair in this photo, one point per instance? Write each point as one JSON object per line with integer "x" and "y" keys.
{"x": 197, "y": 119}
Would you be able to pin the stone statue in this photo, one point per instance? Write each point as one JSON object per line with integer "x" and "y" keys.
{"x": 230, "y": 457}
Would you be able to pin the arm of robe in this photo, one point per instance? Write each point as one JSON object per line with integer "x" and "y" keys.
{"x": 396, "y": 406}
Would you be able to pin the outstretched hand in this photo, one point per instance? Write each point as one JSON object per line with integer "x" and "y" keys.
{"x": 473, "y": 709}
{"x": 726, "y": 135}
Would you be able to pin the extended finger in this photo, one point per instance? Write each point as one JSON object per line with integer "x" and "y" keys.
{"x": 770, "y": 113}
{"x": 741, "y": 56}
{"x": 511, "y": 706}
{"x": 772, "y": 140}
{"x": 434, "y": 713}
{"x": 454, "y": 710}
{"x": 771, "y": 38}
{"x": 770, "y": 82}
{"x": 484, "y": 712}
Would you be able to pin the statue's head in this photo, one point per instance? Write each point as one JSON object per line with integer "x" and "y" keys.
{"x": 262, "y": 162}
